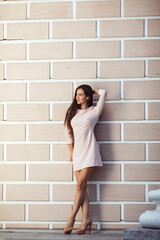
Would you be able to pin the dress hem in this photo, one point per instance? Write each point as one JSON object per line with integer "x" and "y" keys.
{"x": 96, "y": 166}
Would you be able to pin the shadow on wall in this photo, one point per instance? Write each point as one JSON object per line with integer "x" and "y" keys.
{"x": 109, "y": 172}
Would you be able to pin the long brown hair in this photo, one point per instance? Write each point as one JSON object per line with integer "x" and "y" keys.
{"x": 72, "y": 110}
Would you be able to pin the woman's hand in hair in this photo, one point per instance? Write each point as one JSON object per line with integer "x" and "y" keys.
{"x": 95, "y": 91}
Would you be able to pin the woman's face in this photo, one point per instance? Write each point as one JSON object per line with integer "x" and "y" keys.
{"x": 81, "y": 97}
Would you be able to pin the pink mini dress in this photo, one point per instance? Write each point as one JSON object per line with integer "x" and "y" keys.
{"x": 86, "y": 153}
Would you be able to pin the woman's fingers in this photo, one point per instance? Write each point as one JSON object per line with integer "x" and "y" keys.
{"x": 95, "y": 91}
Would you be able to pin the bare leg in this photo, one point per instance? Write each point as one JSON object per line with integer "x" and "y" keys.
{"x": 85, "y": 203}
{"x": 85, "y": 208}
{"x": 81, "y": 189}
{"x": 82, "y": 179}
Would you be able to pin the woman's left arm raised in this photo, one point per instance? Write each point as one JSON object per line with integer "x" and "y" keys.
{"x": 100, "y": 105}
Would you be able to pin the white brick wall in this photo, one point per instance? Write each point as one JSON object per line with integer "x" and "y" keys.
{"x": 44, "y": 55}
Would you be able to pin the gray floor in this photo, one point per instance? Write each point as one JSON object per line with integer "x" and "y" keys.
{"x": 59, "y": 235}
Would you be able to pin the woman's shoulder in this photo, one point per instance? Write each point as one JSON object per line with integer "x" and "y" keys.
{"x": 91, "y": 107}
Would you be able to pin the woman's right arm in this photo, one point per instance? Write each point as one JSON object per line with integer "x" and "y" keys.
{"x": 71, "y": 147}
{"x": 69, "y": 141}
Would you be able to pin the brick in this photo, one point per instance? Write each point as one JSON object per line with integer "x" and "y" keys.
{"x": 52, "y": 10}
{"x": 27, "y": 192}
{"x": 28, "y": 71}
{"x": 50, "y": 172}
{"x": 1, "y": 192}
{"x": 67, "y": 192}
{"x": 49, "y": 212}
{"x": 107, "y": 132}
{"x": 27, "y": 31}
{"x": 122, "y": 192}
{"x": 113, "y": 89}
{"x": 59, "y": 50}
{"x": 51, "y": 91}
{"x": 140, "y": 8}
{"x": 153, "y": 27}
{"x": 153, "y": 110}
{"x": 1, "y": 31}
{"x": 98, "y": 213}
{"x": 98, "y": 49}
{"x": 122, "y": 226}
{"x": 1, "y": 71}
{"x": 154, "y": 68}
{"x": 27, "y": 152}
{"x": 123, "y": 151}
{"x": 109, "y": 172}
{"x": 61, "y": 152}
{"x": 7, "y": 52}
{"x": 12, "y": 132}
{"x": 1, "y": 112}
{"x": 46, "y": 132}
{"x": 28, "y": 112}
{"x": 59, "y": 111}
{"x": 13, "y": 11}
{"x": 12, "y": 172}
{"x": 141, "y": 172}
{"x": 122, "y": 69}
{"x": 132, "y": 212}
{"x": 98, "y": 9}
{"x": 153, "y": 187}
{"x": 12, "y": 212}
{"x": 26, "y": 226}
{"x": 142, "y": 131}
{"x": 75, "y": 29}
{"x": 141, "y": 90}
{"x": 142, "y": 48}
{"x": 121, "y": 28}
{"x": 1, "y": 152}
{"x": 7, "y": 92}
{"x": 74, "y": 70}
{"x": 154, "y": 151}
{"x": 122, "y": 111}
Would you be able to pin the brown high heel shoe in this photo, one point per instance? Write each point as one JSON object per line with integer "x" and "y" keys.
{"x": 68, "y": 230}
{"x": 83, "y": 230}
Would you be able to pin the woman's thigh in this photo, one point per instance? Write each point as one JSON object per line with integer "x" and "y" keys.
{"x": 77, "y": 174}
{"x": 84, "y": 174}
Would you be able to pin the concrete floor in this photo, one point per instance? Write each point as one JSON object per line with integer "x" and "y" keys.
{"x": 59, "y": 235}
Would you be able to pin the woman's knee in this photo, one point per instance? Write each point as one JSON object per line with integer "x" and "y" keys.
{"x": 81, "y": 185}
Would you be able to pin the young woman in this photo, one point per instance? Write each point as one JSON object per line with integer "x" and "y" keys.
{"x": 80, "y": 120}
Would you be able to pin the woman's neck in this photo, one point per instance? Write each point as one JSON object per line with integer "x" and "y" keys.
{"x": 83, "y": 106}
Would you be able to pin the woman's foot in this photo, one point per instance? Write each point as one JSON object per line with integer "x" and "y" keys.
{"x": 69, "y": 227}
{"x": 84, "y": 226}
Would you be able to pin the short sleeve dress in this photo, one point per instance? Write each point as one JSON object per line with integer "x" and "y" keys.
{"x": 86, "y": 153}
